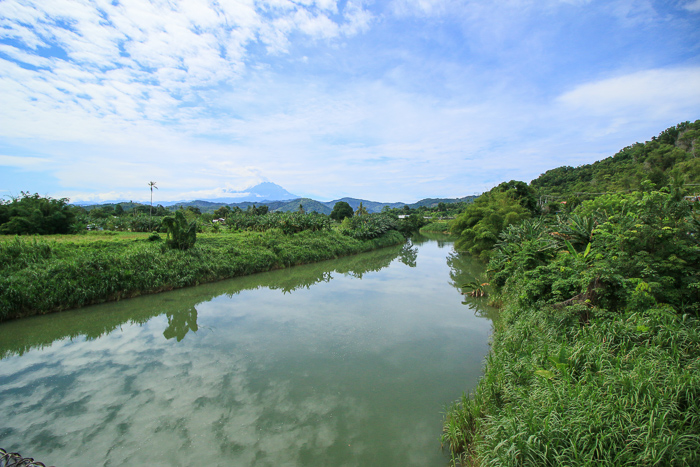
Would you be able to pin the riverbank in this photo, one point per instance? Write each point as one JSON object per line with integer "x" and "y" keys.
{"x": 596, "y": 357}
{"x": 436, "y": 227}
{"x": 623, "y": 390}
{"x": 47, "y": 274}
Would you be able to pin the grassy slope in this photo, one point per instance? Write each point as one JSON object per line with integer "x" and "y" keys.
{"x": 58, "y": 273}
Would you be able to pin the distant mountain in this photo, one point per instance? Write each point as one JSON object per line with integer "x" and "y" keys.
{"x": 309, "y": 205}
{"x": 266, "y": 191}
{"x": 432, "y": 202}
{"x": 371, "y": 206}
{"x": 277, "y": 198}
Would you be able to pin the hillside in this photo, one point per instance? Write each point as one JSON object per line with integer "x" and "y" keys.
{"x": 670, "y": 157}
{"x": 308, "y": 204}
{"x": 324, "y": 207}
{"x": 433, "y": 202}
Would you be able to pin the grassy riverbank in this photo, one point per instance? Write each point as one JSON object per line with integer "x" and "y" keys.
{"x": 52, "y": 273}
{"x": 437, "y": 227}
{"x": 596, "y": 358}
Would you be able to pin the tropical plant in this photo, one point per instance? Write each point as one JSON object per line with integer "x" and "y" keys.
{"x": 181, "y": 235}
{"x": 361, "y": 210}
{"x": 152, "y": 185}
{"x": 479, "y": 225}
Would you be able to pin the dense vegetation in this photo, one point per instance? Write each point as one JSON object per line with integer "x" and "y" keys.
{"x": 596, "y": 358}
{"x": 33, "y": 214}
{"x": 40, "y": 276}
{"x": 45, "y": 275}
{"x": 478, "y": 226}
{"x": 671, "y": 156}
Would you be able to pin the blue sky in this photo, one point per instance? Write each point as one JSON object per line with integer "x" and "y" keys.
{"x": 385, "y": 100}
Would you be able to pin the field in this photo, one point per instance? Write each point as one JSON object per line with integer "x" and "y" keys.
{"x": 52, "y": 273}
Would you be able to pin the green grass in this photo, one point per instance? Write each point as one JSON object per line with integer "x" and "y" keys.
{"x": 620, "y": 390}
{"x": 438, "y": 226}
{"x": 46, "y": 274}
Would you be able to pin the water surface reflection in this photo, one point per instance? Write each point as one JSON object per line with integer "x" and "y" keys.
{"x": 351, "y": 364}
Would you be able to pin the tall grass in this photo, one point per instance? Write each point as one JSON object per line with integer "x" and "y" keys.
{"x": 621, "y": 390}
{"x": 41, "y": 276}
{"x": 437, "y": 226}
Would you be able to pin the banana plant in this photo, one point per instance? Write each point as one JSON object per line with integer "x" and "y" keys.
{"x": 181, "y": 235}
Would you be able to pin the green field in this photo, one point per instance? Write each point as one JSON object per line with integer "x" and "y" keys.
{"x": 43, "y": 274}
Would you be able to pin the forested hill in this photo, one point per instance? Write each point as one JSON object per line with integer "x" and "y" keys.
{"x": 671, "y": 157}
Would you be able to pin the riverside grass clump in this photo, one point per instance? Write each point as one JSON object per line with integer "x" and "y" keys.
{"x": 42, "y": 275}
{"x": 437, "y": 226}
{"x": 596, "y": 357}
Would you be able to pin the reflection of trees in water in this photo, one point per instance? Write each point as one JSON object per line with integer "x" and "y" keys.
{"x": 179, "y": 306}
{"x": 180, "y": 323}
{"x": 441, "y": 239}
{"x": 464, "y": 268}
{"x": 408, "y": 254}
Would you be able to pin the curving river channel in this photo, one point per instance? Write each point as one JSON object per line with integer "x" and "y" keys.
{"x": 349, "y": 362}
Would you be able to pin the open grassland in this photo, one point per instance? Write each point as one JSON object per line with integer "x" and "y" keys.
{"x": 52, "y": 273}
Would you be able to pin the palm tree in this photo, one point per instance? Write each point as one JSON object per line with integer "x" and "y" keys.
{"x": 361, "y": 210}
{"x": 152, "y": 185}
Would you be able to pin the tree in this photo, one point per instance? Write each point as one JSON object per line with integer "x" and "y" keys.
{"x": 341, "y": 210}
{"x": 33, "y": 214}
{"x": 118, "y": 210}
{"x": 361, "y": 210}
{"x": 479, "y": 225}
{"x": 152, "y": 185}
{"x": 222, "y": 213}
{"x": 301, "y": 208}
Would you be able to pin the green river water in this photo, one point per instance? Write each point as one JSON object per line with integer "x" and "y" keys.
{"x": 349, "y": 362}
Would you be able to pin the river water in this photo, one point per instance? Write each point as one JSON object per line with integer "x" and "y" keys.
{"x": 349, "y": 362}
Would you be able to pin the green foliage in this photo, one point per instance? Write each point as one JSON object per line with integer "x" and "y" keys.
{"x": 411, "y": 223}
{"x": 673, "y": 154}
{"x": 596, "y": 357}
{"x": 287, "y": 222}
{"x": 222, "y": 212}
{"x": 361, "y": 210}
{"x": 368, "y": 226}
{"x": 40, "y": 277}
{"x": 602, "y": 310}
{"x": 341, "y": 210}
{"x": 478, "y": 227}
{"x": 438, "y": 226}
{"x": 621, "y": 390}
{"x": 34, "y": 214}
{"x": 181, "y": 234}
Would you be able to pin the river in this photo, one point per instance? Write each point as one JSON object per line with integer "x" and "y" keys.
{"x": 349, "y": 362}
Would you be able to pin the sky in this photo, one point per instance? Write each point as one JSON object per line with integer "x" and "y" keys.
{"x": 393, "y": 100}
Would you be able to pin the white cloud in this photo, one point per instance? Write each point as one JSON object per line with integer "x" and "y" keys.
{"x": 647, "y": 94}
{"x": 23, "y": 162}
{"x": 692, "y": 5}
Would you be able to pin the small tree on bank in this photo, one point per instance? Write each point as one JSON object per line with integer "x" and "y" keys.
{"x": 341, "y": 210}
